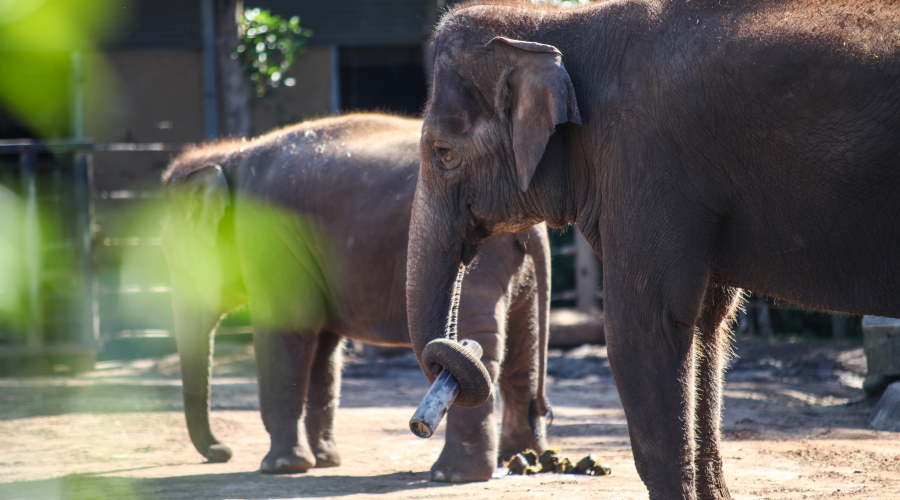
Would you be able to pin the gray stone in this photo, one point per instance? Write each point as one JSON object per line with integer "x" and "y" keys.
{"x": 886, "y": 415}
{"x": 881, "y": 342}
{"x": 572, "y": 328}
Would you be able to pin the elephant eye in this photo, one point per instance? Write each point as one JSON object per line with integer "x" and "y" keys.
{"x": 447, "y": 157}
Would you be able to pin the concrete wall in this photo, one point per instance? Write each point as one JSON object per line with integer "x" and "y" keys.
{"x": 144, "y": 96}
{"x": 157, "y": 95}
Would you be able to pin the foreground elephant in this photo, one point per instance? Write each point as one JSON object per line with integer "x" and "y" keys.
{"x": 701, "y": 147}
{"x": 310, "y": 224}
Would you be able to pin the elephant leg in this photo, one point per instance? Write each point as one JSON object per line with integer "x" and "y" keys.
{"x": 194, "y": 327}
{"x": 283, "y": 364}
{"x": 470, "y": 448}
{"x": 322, "y": 402}
{"x": 713, "y": 346}
{"x": 651, "y": 309}
{"x": 523, "y": 424}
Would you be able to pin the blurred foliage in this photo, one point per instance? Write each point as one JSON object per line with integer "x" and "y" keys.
{"x": 37, "y": 38}
{"x": 271, "y": 46}
{"x": 76, "y": 487}
{"x": 12, "y": 260}
{"x": 290, "y": 252}
{"x": 52, "y": 229}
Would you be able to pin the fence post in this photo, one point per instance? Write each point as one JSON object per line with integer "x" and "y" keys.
{"x": 585, "y": 274}
{"x": 84, "y": 200}
{"x": 32, "y": 239}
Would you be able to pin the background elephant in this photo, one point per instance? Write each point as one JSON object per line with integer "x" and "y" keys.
{"x": 310, "y": 225}
{"x": 701, "y": 148}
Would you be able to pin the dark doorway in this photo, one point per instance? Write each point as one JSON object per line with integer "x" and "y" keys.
{"x": 383, "y": 78}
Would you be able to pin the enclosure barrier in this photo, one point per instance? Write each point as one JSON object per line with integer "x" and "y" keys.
{"x": 69, "y": 239}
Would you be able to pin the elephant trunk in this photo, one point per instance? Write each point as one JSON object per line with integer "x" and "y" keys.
{"x": 434, "y": 280}
{"x": 193, "y": 331}
{"x": 196, "y": 307}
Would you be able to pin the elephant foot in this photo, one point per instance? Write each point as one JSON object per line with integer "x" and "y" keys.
{"x": 517, "y": 442}
{"x": 289, "y": 462}
{"x": 710, "y": 481}
{"x": 218, "y": 453}
{"x": 509, "y": 449}
{"x": 710, "y": 493}
{"x": 466, "y": 469}
{"x": 327, "y": 455}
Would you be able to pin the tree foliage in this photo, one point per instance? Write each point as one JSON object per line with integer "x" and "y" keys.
{"x": 271, "y": 45}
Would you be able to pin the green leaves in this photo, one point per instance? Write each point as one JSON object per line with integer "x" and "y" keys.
{"x": 270, "y": 47}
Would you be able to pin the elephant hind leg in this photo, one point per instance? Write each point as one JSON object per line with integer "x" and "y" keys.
{"x": 711, "y": 355}
{"x": 322, "y": 402}
{"x": 283, "y": 364}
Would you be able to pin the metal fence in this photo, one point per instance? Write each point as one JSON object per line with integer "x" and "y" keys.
{"x": 92, "y": 267}
{"x": 52, "y": 314}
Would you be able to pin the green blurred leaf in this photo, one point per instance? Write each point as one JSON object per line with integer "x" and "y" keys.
{"x": 36, "y": 41}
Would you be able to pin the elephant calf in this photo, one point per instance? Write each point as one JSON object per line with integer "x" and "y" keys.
{"x": 310, "y": 225}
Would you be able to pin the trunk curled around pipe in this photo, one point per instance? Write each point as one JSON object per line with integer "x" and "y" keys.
{"x": 440, "y": 396}
{"x": 434, "y": 281}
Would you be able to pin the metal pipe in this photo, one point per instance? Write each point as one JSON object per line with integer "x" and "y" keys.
{"x": 438, "y": 399}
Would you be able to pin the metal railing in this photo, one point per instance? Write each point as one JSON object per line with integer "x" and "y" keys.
{"x": 55, "y": 180}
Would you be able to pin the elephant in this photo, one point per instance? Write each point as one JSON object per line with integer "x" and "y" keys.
{"x": 309, "y": 224}
{"x": 702, "y": 148}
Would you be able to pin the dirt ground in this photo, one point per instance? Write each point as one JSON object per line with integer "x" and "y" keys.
{"x": 794, "y": 427}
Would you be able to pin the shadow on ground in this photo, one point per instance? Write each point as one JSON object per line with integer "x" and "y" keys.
{"x": 239, "y": 485}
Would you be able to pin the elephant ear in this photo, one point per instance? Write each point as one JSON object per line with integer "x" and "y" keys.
{"x": 538, "y": 95}
{"x": 206, "y": 192}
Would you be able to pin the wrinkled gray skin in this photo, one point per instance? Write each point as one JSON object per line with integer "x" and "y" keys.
{"x": 341, "y": 276}
{"x": 702, "y": 148}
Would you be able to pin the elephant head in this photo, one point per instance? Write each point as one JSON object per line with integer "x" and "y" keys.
{"x": 493, "y": 109}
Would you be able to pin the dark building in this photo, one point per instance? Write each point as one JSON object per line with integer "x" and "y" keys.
{"x": 146, "y": 81}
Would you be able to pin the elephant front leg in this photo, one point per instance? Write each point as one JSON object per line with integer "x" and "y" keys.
{"x": 470, "y": 448}
{"x": 650, "y": 312}
{"x": 283, "y": 363}
{"x": 713, "y": 344}
{"x": 524, "y": 426}
{"x": 322, "y": 403}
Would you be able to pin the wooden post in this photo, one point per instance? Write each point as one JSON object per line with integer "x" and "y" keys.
{"x": 586, "y": 274}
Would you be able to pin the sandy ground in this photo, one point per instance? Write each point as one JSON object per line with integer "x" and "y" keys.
{"x": 794, "y": 427}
